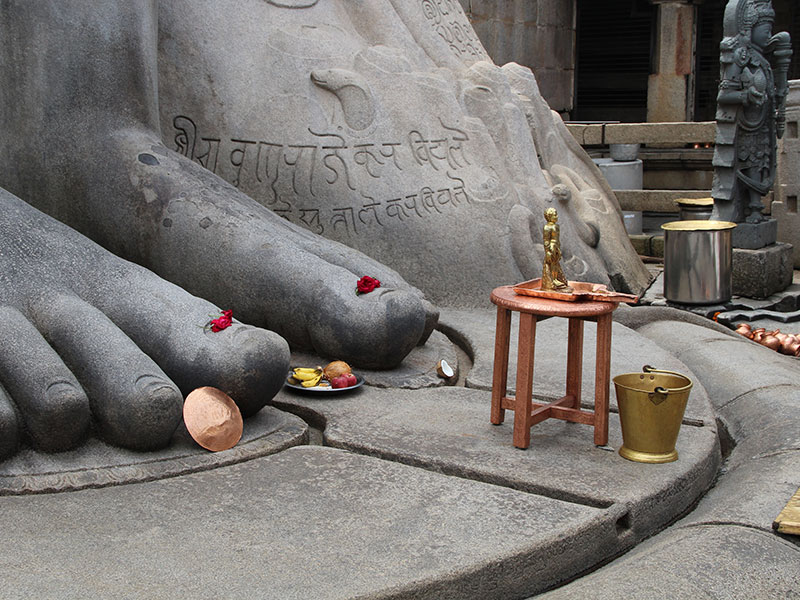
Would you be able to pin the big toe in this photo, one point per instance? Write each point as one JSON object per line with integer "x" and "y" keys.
{"x": 9, "y": 426}
{"x": 247, "y": 363}
{"x": 376, "y": 330}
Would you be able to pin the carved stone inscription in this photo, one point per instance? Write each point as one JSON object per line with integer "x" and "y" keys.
{"x": 449, "y": 21}
{"x": 289, "y": 175}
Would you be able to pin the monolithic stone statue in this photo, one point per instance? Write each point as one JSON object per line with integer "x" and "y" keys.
{"x": 379, "y": 123}
{"x": 750, "y": 109}
{"x": 553, "y": 277}
{"x": 87, "y": 336}
{"x": 384, "y": 125}
{"x": 81, "y": 142}
{"x": 85, "y": 332}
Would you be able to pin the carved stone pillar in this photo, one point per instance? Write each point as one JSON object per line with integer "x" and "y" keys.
{"x": 670, "y": 95}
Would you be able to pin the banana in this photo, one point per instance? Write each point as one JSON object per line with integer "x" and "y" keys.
{"x": 311, "y": 382}
{"x": 306, "y": 374}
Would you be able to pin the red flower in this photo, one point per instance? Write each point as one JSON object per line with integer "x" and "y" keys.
{"x": 222, "y": 322}
{"x": 366, "y": 284}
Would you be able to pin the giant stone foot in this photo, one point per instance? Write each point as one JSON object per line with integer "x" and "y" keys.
{"x": 81, "y": 142}
{"x": 384, "y": 125}
{"x": 93, "y": 342}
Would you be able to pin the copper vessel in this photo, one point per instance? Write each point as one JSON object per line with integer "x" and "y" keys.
{"x": 771, "y": 342}
{"x": 212, "y": 419}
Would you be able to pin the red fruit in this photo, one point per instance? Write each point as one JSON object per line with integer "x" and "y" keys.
{"x": 351, "y": 379}
{"x": 340, "y": 382}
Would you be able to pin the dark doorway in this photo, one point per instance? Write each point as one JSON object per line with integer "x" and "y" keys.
{"x": 709, "y": 35}
{"x": 614, "y": 50}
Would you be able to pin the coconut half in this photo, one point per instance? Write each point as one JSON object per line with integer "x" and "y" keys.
{"x": 444, "y": 370}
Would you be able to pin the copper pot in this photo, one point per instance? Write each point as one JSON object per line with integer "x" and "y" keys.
{"x": 771, "y": 342}
{"x": 758, "y": 334}
{"x": 745, "y": 330}
{"x": 789, "y": 344}
{"x": 792, "y": 346}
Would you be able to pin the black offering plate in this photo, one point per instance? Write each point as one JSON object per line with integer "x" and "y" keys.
{"x": 318, "y": 389}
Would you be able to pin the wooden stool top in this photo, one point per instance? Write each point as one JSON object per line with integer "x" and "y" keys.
{"x": 505, "y": 297}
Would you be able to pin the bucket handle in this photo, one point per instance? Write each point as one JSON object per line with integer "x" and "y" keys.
{"x": 658, "y": 395}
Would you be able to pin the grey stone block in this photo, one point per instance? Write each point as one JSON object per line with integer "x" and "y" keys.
{"x": 751, "y": 494}
{"x": 755, "y": 235}
{"x": 762, "y": 272}
{"x": 96, "y": 464}
{"x": 728, "y": 365}
{"x": 764, "y": 422}
{"x": 635, "y": 317}
{"x": 307, "y": 523}
{"x": 448, "y": 430}
{"x": 786, "y": 213}
{"x": 709, "y": 562}
{"x": 555, "y": 12}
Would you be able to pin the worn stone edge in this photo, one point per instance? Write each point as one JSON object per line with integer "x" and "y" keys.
{"x": 293, "y": 434}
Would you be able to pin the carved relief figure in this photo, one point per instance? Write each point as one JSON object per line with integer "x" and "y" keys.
{"x": 750, "y": 109}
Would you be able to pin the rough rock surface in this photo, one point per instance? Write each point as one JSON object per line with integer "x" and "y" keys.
{"x": 384, "y": 125}
{"x": 307, "y": 523}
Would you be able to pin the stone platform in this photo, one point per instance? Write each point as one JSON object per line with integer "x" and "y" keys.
{"x": 761, "y": 272}
{"x": 418, "y": 496}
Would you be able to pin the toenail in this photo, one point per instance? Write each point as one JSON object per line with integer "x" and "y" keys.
{"x": 152, "y": 384}
{"x": 148, "y": 159}
{"x": 58, "y": 391}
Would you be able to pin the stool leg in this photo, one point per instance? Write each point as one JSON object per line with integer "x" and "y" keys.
{"x": 502, "y": 337}
{"x": 522, "y": 404}
{"x": 575, "y": 360}
{"x": 601, "y": 380}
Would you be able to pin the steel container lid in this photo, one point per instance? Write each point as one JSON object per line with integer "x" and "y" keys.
{"x": 698, "y": 225}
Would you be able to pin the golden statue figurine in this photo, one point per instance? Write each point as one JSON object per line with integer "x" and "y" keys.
{"x": 553, "y": 277}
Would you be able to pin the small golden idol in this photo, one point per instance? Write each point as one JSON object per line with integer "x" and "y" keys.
{"x": 553, "y": 277}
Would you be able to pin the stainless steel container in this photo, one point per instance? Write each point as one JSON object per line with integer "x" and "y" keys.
{"x": 697, "y": 261}
{"x": 695, "y": 209}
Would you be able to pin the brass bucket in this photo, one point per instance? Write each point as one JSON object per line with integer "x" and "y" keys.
{"x": 651, "y": 406}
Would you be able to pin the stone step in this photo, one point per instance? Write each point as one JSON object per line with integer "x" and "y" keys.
{"x": 664, "y": 134}
{"x": 662, "y": 201}
{"x": 309, "y": 522}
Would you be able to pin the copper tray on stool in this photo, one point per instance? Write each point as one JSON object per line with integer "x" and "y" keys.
{"x": 581, "y": 290}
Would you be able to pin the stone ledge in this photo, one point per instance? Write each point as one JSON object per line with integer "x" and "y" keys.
{"x": 96, "y": 464}
{"x": 664, "y": 134}
{"x": 310, "y": 522}
{"x": 707, "y": 561}
{"x": 448, "y": 430}
{"x": 662, "y": 201}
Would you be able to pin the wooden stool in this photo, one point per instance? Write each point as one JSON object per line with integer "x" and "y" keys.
{"x": 568, "y": 408}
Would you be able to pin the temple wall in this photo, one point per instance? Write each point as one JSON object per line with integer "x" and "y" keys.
{"x": 787, "y": 186}
{"x": 539, "y": 34}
